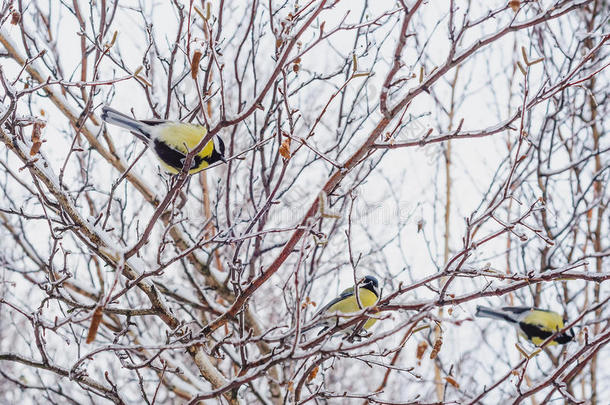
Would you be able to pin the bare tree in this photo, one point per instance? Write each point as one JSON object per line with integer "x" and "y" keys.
{"x": 457, "y": 151}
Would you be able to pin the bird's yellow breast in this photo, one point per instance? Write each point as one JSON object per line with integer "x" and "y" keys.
{"x": 547, "y": 321}
{"x": 350, "y": 304}
{"x": 184, "y": 137}
{"x": 538, "y": 341}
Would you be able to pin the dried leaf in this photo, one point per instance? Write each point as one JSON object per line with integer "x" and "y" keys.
{"x": 112, "y": 41}
{"x": 35, "y": 148}
{"x": 355, "y": 62}
{"x": 522, "y": 350}
{"x": 308, "y": 302}
{"x": 96, "y": 319}
{"x": 452, "y": 381}
{"x": 199, "y": 12}
{"x": 195, "y": 63}
{"x": 515, "y": 5}
{"x": 15, "y": 17}
{"x": 521, "y": 68}
{"x": 36, "y": 131}
{"x": 209, "y": 107}
{"x": 285, "y": 149}
{"x": 437, "y": 346}
{"x": 36, "y": 138}
{"x": 109, "y": 45}
{"x": 524, "y": 54}
{"x": 419, "y": 328}
{"x": 313, "y": 374}
{"x": 143, "y": 80}
{"x": 421, "y": 349}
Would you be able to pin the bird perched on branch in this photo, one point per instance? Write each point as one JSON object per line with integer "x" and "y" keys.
{"x": 347, "y": 303}
{"x": 170, "y": 140}
{"x": 533, "y": 323}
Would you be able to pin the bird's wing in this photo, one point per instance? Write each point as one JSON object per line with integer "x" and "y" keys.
{"x": 347, "y": 292}
{"x": 173, "y": 157}
{"x": 533, "y": 331}
{"x": 517, "y": 310}
{"x": 154, "y": 122}
{"x": 344, "y": 294}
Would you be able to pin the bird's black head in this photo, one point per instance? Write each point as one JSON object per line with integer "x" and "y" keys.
{"x": 218, "y": 154}
{"x": 565, "y": 337}
{"x": 370, "y": 283}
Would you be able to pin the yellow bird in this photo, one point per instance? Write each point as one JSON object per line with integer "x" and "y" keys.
{"x": 347, "y": 303}
{"x": 170, "y": 140}
{"x": 534, "y": 324}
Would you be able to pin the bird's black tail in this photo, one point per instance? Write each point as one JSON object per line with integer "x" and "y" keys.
{"x": 486, "y": 312}
{"x": 114, "y": 117}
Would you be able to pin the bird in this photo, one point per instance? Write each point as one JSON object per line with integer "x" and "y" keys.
{"x": 346, "y": 303}
{"x": 535, "y": 324}
{"x": 170, "y": 140}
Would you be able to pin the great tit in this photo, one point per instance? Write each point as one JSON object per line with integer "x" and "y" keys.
{"x": 533, "y": 323}
{"x": 347, "y": 303}
{"x": 170, "y": 140}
